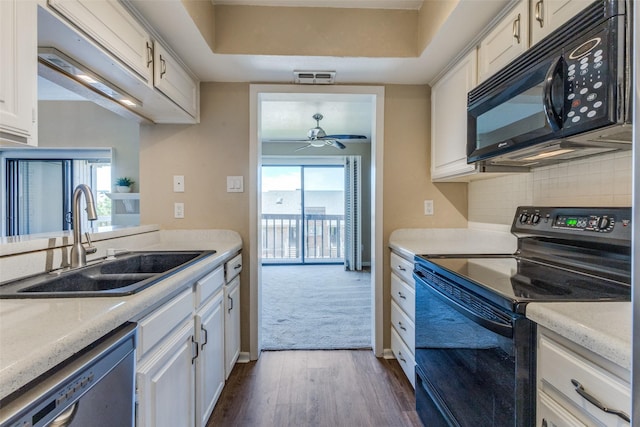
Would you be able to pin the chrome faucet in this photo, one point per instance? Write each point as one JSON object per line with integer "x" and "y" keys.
{"x": 78, "y": 251}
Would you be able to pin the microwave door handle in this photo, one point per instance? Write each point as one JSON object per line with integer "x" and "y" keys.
{"x": 553, "y": 117}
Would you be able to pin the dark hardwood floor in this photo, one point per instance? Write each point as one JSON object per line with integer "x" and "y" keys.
{"x": 317, "y": 388}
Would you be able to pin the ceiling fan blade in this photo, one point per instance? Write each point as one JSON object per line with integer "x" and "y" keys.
{"x": 346, "y": 136}
{"x": 303, "y": 147}
{"x": 338, "y": 144}
{"x": 301, "y": 140}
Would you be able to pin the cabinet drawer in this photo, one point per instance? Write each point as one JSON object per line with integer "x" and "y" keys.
{"x": 404, "y": 295}
{"x": 552, "y": 414}
{"x": 161, "y": 322}
{"x": 558, "y": 366}
{"x": 404, "y": 357}
{"x": 233, "y": 267}
{"x": 402, "y": 267}
{"x": 208, "y": 286}
{"x": 404, "y": 326}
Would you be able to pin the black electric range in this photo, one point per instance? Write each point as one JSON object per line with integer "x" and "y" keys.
{"x": 475, "y": 349}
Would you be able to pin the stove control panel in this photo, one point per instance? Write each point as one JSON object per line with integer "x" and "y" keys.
{"x": 556, "y": 221}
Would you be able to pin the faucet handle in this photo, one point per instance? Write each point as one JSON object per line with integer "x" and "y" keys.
{"x": 90, "y": 249}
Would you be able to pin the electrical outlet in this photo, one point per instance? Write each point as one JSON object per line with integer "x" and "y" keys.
{"x": 428, "y": 207}
{"x": 178, "y": 210}
{"x": 178, "y": 183}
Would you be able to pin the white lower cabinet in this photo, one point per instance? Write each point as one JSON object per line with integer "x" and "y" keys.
{"x": 232, "y": 324}
{"x": 575, "y": 385}
{"x": 210, "y": 373}
{"x": 403, "y": 314}
{"x": 181, "y": 355}
{"x": 166, "y": 382}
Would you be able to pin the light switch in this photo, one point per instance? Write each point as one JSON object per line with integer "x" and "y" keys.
{"x": 178, "y": 210}
{"x": 235, "y": 184}
{"x": 178, "y": 183}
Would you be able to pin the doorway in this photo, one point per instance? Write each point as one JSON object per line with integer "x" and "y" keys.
{"x": 372, "y": 105}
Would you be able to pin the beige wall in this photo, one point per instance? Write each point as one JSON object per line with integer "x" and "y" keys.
{"x": 85, "y": 124}
{"x": 407, "y": 178}
{"x": 205, "y": 154}
{"x": 219, "y": 146}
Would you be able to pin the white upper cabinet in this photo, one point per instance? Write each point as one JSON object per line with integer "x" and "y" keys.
{"x": 449, "y": 120}
{"x": 18, "y": 75}
{"x": 172, "y": 80}
{"x": 508, "y": 39}
{"x": 111, "y": 26}
{"x": 547, "y": 15}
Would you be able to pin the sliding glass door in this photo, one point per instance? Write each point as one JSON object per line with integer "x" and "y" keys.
{"x": 302, "y": 214}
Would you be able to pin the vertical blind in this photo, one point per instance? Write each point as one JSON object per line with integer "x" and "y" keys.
{"x": 353, "y": 214}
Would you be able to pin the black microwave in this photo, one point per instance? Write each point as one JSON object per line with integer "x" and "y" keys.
{"x": 568, "y": 96}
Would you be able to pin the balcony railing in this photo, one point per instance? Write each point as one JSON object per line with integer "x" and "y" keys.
{"x": 294, "y": 239}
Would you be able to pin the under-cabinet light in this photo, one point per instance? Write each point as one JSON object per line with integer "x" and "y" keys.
{"x": 548, "y": 154}
{"x": 61, "y": 62}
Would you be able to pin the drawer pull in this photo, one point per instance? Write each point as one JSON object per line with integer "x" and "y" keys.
{"x": 401, "y": 295}
{"x": 582, "y": 392}
{"x": 401, "y": 358}
{"x": 237, "y": 266}
{"x": 401, "y": 268}
{"x": 401, "y": 327}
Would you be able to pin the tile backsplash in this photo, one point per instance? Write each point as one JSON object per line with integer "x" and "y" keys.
{"x": 603, "y": 180}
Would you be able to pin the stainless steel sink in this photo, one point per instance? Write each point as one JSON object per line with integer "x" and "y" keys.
{"x": 125, "y": 275}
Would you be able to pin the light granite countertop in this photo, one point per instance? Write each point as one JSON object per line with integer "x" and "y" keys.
{"x": 602, "y": 327}
{"x": 38, "y": 334}
{"x": 412, "y": 241}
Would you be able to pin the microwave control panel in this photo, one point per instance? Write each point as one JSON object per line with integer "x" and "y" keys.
{"x": 586, "y": 87}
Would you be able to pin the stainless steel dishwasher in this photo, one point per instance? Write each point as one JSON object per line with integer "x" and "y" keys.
{"x": 93, "y": 388}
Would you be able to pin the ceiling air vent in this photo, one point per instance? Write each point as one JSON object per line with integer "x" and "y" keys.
{"x": 314, "y": 77}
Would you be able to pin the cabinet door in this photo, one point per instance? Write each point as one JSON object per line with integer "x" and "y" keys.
{"x": 166, "y": 382}
{"x": 111, "y": 26}
{"x": 210, "y": 362}
{"x": 547, "y": 15}
{"x": 171, "y": 79}
{"x": 232, "y": 325}
{"x": 449, "y": 120}
{"x": 505, "y": 42}
{"x": 18, "y": 76}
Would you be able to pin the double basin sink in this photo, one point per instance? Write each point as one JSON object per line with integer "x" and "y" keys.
{"x": 125, "y": 275}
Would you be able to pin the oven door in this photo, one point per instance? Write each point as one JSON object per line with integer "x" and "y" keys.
{"x": 474, "y": 360}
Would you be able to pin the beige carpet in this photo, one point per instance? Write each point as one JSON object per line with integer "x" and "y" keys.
{"x": 315, "y": 307}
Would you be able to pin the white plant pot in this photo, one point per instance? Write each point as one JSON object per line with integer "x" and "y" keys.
{"x": 123, "y": 189}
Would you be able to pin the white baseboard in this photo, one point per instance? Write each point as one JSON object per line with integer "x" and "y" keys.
{"x": 388, "y": 354}
{"x": 243, "y": 357}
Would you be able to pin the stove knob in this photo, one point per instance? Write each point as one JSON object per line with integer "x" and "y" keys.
{"x": 523, "y": 218}
{"x": 535, "y": 219}
{"x": 603, "y": 223}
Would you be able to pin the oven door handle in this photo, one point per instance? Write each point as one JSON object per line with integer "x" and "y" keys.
{"x": 504, "y": 329}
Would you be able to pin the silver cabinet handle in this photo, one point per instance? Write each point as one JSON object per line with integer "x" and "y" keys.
{"x": 206, "y": 336}
{"x": 401, "y": 268}
{"x": 163, "y": 67}
{"x": 401, "y": 295}
{"x": 401, "y": 327}
{"x": 149, "y": 54}
{"x": 197, "y": 352}
{"x": 516, "y": 29}
{"x": 594, "y": 401}
{"x": 230, "y": 304}
{"x": 540, "y": 13}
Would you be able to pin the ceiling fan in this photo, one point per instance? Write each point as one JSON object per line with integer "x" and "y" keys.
{"x": 317, "y": 137}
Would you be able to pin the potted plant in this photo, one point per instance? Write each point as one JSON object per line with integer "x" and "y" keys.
{"x": 123, "y": 185}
